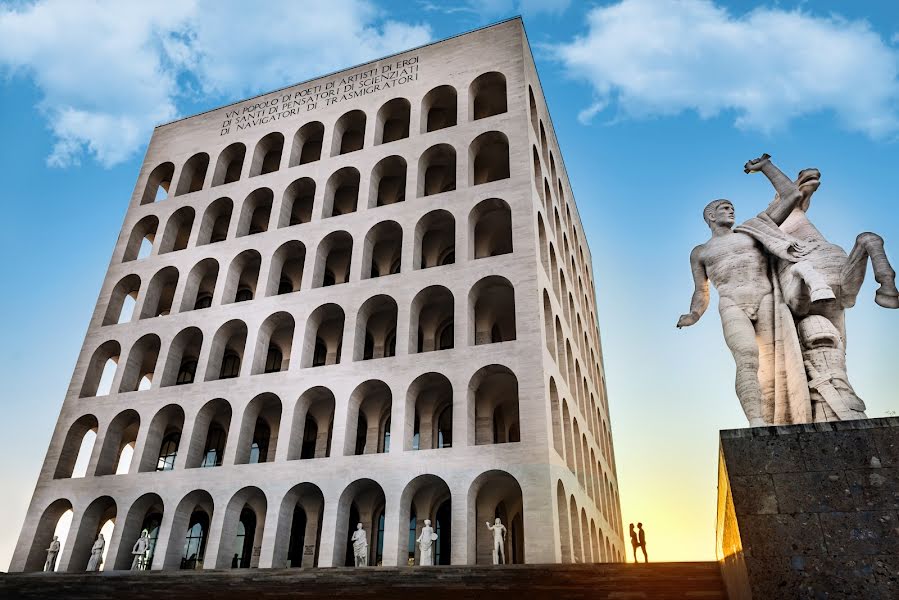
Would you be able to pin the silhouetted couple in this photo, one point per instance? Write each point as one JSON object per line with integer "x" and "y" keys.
{"x": 638, "y": 540}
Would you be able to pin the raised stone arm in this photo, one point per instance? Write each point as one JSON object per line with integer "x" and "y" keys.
{"x": 787, "y": 190}
{"x": 700, "y": 301}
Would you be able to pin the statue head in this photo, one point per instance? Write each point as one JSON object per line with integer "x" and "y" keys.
{"x": 808, "y": 181}
{"x": 55, "y": 538}
{"x": 497, "y": 521}
{"x": 427, "y": 522}
{"x": 358, "y": 525}
{"x": 719, "y": 212}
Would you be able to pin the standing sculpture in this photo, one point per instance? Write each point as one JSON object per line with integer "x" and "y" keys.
{"x": 783, "y": 289}
{"x": 52, "y": 553}
{"x": 425, "y": 544}
{"x": 96, "y": 559}
{"x": 499, "y": 541}
{"x": 139, "y": 551}
{"x": 360, "y": 546}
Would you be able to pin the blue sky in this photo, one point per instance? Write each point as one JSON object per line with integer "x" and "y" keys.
{"x": 656, "y": 105}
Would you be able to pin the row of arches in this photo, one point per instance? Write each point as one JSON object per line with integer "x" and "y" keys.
{"x": 172, "y": 439}
{"x": 487, "y": 97}
{"x": 191, "y": 538}
{"x": 433, "y": 244}
{"x": 580, "y": 539}
{"x": 302, "y": 201}
{"x": 232, "y": 353}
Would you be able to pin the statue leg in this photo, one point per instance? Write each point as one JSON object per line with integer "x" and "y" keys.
{"x": 739, "y": 333}
{"x": 869, "y": 245}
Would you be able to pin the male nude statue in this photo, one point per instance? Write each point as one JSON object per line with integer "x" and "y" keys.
{"x": 499, "y": 538}
{"x": 737, "y": 265}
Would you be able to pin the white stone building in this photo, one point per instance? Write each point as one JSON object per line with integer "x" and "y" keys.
{"x": 363, "y": 298}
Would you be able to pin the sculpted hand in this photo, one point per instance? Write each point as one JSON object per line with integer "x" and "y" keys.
{"x": 687, "y": 320}
{"x": 756, "y": 164}
{"x": 799, "y": 248}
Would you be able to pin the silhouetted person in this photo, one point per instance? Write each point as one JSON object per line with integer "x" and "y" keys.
{"x": 641, "y": 543}
{"x": 635, "y": 543}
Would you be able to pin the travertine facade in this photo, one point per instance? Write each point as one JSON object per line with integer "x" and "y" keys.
{"x": 368, "y": 300}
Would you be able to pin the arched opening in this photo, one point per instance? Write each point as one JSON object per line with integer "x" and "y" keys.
{"x": 543, "y": 145}
{"x": 429, "y": 413}
{"x": 258, "y": 437}
{"x": 438, "y": 109}
{"x": 368, "y": 419}
{"x": 435, "y": 240}
{"x": 140, "y": 243}
{"x": 216, "y": 221}
{"x": 184, "y": 353}
{"x": 313, "y": 420}
{"x": 297, "y": 203}
{"x": 307, "y": 144}
{"x": 393, "y": 121}
{"x": 54, "y": 524}
{"x": 256, "y": 212}
{"x": 210, "y": 434}
{"x": 118, "y": 444}
{"x": 160, "y": 293}
{"x": 243, "y": 275}
{"x": 349, "y": 133}
{"x": 341, "y": 193}
{"x": 144, "y": 516}
{"x": 532, "y": 105}
{"x": 488, "y": 96}
{"x": 163, "y": 440}
{"x": 491, "y": 305}
{"x": 490, "y": 224}
{"x": 299, "y": 529}
{"x": 286, "y": 269}
{"x": 488, "y": 158}
{"x": 267, "y": 156}
{"x": 177, "y": 230}
{"x": 158, "y": 183}
{"x": 495, "y": 495}
{"x": 376, "y": 328}
{"x": 76, "y": 451}
{"x": 193, "y": 174}
{"x": 97, "y": 519}
{"x": 242, "y": 530}
{"x": 564, "y": 529}
{"x": 538, "y": 177}
{"x": 577, "y": 545}
{"x": 427, "y": 497}
{"x": 548, "y": 324}
{"x": 555, "y": 409}
{"x": 273, "y": 344}
{"x": 382, "y": 250}
{"x": 101, "y": 370}
{"x": 332, "y": 260}
{"x": 361, "y": 502}
{"x": 229, "y": 164}
{"x": 227, "y": 352}
{"x": 122, "y": 298}
{"x": 200, "y": 285}
{"x": 431, "y": 324}
{"x": 189, "y": 532}
{"x": 324, "y": 336}
{"x": 493, "y": 400}
{"x": 388, "y": 182}
{"x": 140, "y": 368}
{"x": 437, "y": 170}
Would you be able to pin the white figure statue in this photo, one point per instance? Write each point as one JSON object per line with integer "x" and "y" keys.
{"x": 139, "y": 551}
{"x": 360, "y": 546}
{"x": 499, "y": 539}
{"x": 426, "y": 544}
{"x": 52, "y": 553}
{"x": 96, "y": 554}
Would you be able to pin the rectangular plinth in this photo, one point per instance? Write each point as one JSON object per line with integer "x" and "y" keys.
{"x": 810, "y": 511}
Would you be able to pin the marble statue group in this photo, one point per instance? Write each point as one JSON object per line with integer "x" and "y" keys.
{"x": 783, "y": 290}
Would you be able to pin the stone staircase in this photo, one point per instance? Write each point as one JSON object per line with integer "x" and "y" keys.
{"x": 662, "y": 581}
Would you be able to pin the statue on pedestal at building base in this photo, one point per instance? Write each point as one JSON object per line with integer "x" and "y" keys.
{"x": 499, "y": 539}
{"x": 426, "y": 544}
{"x": 139, "y": 551}
{"x": 783, "y": 290}
{"x": 52, "y": 553}
{"x": 360, "y": 546}
{"x": 96, "y": 559}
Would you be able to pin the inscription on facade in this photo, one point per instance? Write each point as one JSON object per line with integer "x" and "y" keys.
{"x": 262, "y": 111}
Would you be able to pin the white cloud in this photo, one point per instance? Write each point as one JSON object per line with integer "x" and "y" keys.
{"x": 109, "y": 71}
{"x": 493, "y": 9}
{"x": 655, "y": 58}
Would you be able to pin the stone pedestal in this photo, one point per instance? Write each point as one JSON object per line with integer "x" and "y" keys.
{"x": 810, "y": 511}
